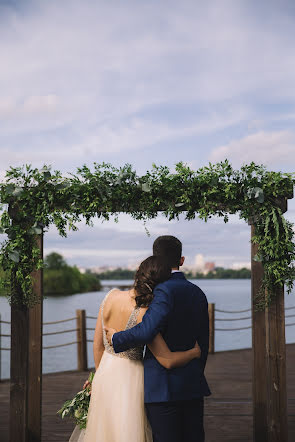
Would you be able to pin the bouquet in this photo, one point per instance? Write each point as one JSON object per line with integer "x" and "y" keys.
{"x": 78, "y": 406}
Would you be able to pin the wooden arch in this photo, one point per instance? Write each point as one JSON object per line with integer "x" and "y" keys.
{"x": 268, "y": 368}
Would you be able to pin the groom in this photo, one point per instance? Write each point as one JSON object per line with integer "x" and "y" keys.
{"x": 174, "y": 398}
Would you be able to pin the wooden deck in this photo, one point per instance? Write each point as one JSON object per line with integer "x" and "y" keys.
{"x": 228, "y": 412}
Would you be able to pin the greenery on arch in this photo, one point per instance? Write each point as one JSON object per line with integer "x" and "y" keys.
{"x": 33, "y": 199}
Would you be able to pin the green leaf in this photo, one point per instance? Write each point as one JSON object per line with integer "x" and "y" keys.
{"x": 35, "y": 230}
{"x": 91, "y": 376}
{"x": 17, "y": 191}
{"x": 45, "y": 169}
{"x": 259, "y": 195}
{"x": 9, "y": 189}
{"x": 146, "y": 187}
{"x": 14, "y": 256}
{"x": 47, "y": 175}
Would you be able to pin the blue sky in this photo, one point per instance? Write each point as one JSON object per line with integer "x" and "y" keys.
{"x": 148, "y": 82}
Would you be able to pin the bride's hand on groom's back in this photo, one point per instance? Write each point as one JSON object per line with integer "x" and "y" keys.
{"x": 198, "y": 350}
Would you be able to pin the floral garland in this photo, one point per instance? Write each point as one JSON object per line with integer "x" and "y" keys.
{"x": 32, "y": 199}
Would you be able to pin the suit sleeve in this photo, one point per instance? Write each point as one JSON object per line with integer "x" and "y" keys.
{"x": 152, "y": 323}
{"x": 203, "y": 339}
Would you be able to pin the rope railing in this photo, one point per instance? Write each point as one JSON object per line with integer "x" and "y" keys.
{"x": 233, "y": 319}
{"x": 82, "y": 339}
{"x": 60, "y": 345}
{"x": 58, "y": 322}
{"x": 231, "y": 329}
{"x": 61, "y": 331}
{"x": 232, "y": 311}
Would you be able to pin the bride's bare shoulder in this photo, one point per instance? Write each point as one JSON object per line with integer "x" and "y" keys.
{"x": 115, "y": 296}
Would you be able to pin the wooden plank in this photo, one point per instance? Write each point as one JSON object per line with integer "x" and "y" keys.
{"x": 35, "y": 357}
{"x": 259, "y": 378}
{"x": 19, "y": 372}
{"x": 211, "y": 313}
{"x": 276, "y": 369}
{"x": 81, "y": 338}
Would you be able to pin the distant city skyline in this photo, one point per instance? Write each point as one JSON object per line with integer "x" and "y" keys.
{"x": 208, "y": 266}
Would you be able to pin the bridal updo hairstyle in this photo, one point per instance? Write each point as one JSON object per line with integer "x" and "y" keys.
{"x": 167, "y": 252}
{"x": 152, "y": 271}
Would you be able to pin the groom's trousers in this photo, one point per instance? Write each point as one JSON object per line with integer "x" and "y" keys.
{"x": 179, "y": 421}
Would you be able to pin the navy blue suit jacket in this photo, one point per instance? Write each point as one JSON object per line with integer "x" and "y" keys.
{"x": 179, "y": 311}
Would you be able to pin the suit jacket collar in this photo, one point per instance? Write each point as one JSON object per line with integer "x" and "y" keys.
{"x": 177, "y": 275}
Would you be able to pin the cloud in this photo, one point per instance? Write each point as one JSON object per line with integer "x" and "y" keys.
{"x": 94, "y": 246}
{"x": 36, "y": 104}
{"x": 106, "y": 79}
{"x": 117, "y": 137}
{"x": 270, "y": 148}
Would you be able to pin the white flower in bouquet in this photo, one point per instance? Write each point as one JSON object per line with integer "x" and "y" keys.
{"x": 77, "y": 407}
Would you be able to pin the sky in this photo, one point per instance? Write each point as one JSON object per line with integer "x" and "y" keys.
{"x": 148, "y": 82}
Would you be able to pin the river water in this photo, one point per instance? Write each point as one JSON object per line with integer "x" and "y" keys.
{"x": 232, "y": 294}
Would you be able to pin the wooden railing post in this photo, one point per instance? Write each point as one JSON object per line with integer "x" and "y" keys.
{"x": 81, "y": 338}
{"x": 211, "y": 313}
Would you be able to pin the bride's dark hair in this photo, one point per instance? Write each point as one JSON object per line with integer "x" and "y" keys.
{"x": 151, "y": 272}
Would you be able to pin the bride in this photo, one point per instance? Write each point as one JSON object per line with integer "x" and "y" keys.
{"x": 116, "y": 410}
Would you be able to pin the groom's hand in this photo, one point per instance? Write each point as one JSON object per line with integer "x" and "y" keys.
{"x": 109, "y": 333}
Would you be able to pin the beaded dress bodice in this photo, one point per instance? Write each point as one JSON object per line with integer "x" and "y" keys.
{"x": 133, "y": 353}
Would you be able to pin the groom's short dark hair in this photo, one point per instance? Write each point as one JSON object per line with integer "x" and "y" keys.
{"x": 170, "y": 248}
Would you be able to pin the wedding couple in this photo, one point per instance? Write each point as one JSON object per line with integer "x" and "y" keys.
{"x": 153, "y": 393}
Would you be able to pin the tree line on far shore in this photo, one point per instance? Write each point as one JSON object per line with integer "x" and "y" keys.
{"x": 61, "y": 279}
{"x": 217, "y": 273}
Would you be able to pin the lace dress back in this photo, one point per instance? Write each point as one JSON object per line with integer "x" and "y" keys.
{"x": 133, "y": 353}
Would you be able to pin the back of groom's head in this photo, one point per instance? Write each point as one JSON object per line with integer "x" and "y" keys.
{"x": 170, "y": 248}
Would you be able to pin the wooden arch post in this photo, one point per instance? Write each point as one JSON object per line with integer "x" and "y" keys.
{"x": 269, "y": 387}
{"x": 26, "y": 366}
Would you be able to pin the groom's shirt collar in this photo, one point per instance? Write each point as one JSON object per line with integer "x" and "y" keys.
{"x": 177, "y": 274}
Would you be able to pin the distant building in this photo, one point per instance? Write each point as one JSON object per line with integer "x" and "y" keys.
{"x": 209, "y": 267}
{"x": 199, "y": 263}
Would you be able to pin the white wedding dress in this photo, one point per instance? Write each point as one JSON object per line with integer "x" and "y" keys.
{"x": 116, "y": 410}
